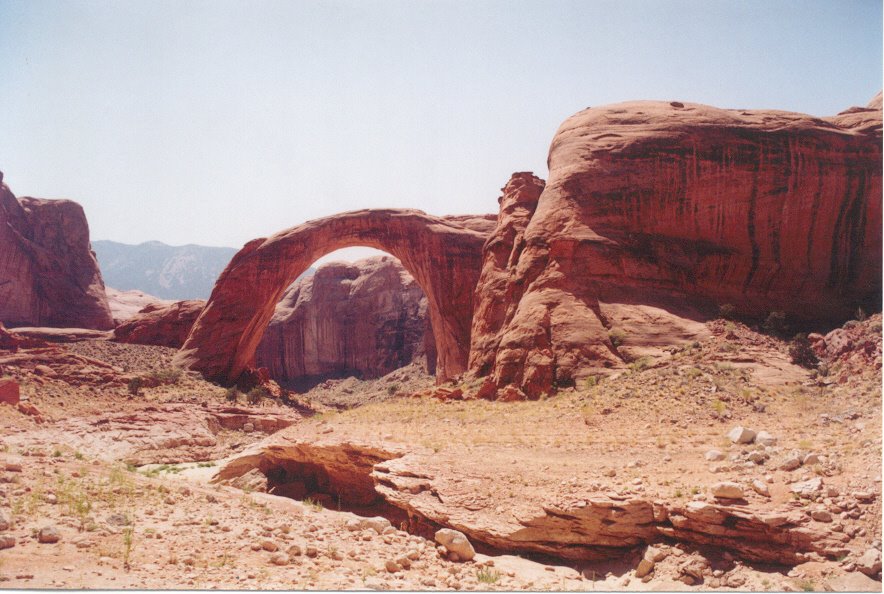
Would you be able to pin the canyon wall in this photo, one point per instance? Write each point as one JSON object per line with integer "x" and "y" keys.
{"x": 654, "y": 209}
{"x": 48, "y": 273}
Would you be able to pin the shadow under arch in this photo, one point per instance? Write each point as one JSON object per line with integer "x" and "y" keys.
{"x": 443, "y": 254}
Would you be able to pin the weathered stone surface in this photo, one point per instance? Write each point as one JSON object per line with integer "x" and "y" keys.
{"x": 9, "y": 391}
{"x": 727, "y": 490}
{"x": 48, "y": 273}
{"x": 125, "y": 304}
{"x": 741, "y": 435}
{"x": 363, "y": 319}
{"x": 161, "y": 324}
{"x": 661, "y": 204}
{"x": 443, "y": 254}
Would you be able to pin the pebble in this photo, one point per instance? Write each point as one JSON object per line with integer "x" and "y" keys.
{"x": 714, "y": 455}
{"x": 765, "y": 439}
{"x": 269, "y": 545}
{"x": 790, "y": 463}
{"x": 821, "y": 515}
{"x": 392, "y": 566}
{"x": 761, "y": 488}
{"x": 279, "y": 559}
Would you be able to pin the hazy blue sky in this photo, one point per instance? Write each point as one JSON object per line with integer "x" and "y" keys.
{"x": 216, "y": 122}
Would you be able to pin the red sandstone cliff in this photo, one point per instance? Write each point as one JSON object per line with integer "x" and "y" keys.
{"x": 48, "y": 273}
{"x": 660, "y": 205}
{"x": 365, "y": 319}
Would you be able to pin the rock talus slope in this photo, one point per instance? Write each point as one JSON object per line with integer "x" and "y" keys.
{"x": 659, "y": 205}
{"x": 48, "y": 273}
{"x": 367, "y": 318}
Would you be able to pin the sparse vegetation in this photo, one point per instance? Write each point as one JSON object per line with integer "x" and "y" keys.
{"x": 257, "y": 395}
{"x": 616, "y": 336}
{"x": 486, "y": 575}
{"x": 727, "y": 311}
{"x": 393, "y": 389}
{"x": 168, "y": 376}
{"x": 134, "y": 386}
{"x": 801, "y": 352}
{"x": 775, "y": 323}
{"x": 313, "y": 504}
{"x": 232, "y": 395}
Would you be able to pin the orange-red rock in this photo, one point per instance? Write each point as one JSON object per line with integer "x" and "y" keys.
{"x": 9, "y": 391}
{"x": 443, "y": 254}
{"x": 362, "y": 319}
{"x": 653, "y": 205}
{"x": 161, "y": 324}
{"x": 48, "y": 273}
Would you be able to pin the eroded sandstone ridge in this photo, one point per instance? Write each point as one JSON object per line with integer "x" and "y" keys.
{"x": 161, "y": 324}
{"x": 655, "y": 215}
{"x": 48, "y": 273}
{"x": 366, "y": 318}
{"x": 660, "y": 205}
{"x": 443, "y": 254}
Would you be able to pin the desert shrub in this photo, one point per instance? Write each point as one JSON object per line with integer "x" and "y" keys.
{"x": 257, "y": 394}
{"x": 641, "y": 364}
{"x": 801, "y": 352}
{"x": 616, "y": 336}
{"x": 165, "y": 376}
{"x": 775, "y": 323}
{"x": 231, "y": 395}
{"x": 134, "y": 386}
{"x": 391, "y": 390}
{"x": 727, "y": 311}
{"x": 487, "y": 576}
{"x": 591, "y": 382}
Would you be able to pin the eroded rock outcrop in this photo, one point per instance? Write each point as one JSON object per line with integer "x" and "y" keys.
{"x": 161, "y": 324}
{"x": 364, "y": 319}
{"x": 48, "y": 273}
{"x": 443, "y": 254}
{"x": 124, "y": 305}
{"x": 659, "y": 205}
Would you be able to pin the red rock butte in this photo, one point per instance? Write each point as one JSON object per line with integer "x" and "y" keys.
{"x": 654, "y": 215}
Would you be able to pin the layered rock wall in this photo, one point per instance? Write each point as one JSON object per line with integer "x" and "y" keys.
{"x": 365, "y": 319}
{"x": 48, "y": 273}
{"x": 656, "y": 208}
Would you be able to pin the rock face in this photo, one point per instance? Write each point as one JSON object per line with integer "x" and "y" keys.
{"x": 443, "y": 254}
{"x": 659, "y": 204}
{"x": 125, "y": 304}
{"x": 48, "y": 273}
{"x": 364, "y": 319}
{"x": 161, "y": 324}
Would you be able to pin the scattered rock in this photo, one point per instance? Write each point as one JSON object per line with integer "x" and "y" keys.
{"x": 392, "y": 566}
{"x": 727, "y": 490}
{"x": 48, "y": 535}
{"x": 714, "y": 455}
{"x": 269, "y": 545}
{"x": 456, "y": 542}
{"x": 790, "y": 463}
{"x": 807, "y": 489}
{"x": 760, "y": 487}
{"x": 9, "y": 391}
{"x": 766, "y": 439}
{"x": 279, "y": 559}
{"x": 741, "y": 435}
{"x": 644, "y": 568}
{"x": 870, "y": 562}
{"x": 6, "y": 541}
{"x": 821, "y": 515}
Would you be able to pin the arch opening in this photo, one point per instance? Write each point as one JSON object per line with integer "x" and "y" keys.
{"x": 363, "y": 318}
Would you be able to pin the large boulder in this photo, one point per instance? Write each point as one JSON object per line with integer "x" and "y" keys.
{"x": 48, "y": 273}
{"x": 365, "y": 319}
{"x": 678, "y": 208}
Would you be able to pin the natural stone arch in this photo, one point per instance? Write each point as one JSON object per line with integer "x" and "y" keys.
{"x": 443, "y": 254}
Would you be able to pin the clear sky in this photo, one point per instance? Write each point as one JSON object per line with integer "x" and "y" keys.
{"x": 217, "y": 122}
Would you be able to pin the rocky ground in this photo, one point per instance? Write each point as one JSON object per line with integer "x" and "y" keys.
{"x": 102, "y": 488}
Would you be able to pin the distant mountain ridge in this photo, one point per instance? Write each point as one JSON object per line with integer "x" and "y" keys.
{"x": 166, "y": 271}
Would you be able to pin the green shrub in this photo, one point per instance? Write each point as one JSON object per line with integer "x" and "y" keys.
{"x": 257, "y": 394}
{"x": 801, "y": 352}
{"x": 134, "y": 386}
{"x": 775, "y": 323}
{"x": 170, "y": 375}
{"x": 231, "y": 395}
{"x": 616, "y": 336}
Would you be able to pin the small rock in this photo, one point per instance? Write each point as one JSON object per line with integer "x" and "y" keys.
{"x": 6, "y": 541}
{"x": 808, "y": 489}
{"x": 870, "y": 562}
{"x": 741, "y": 435}
{"x": 456, "y": 542}
{"x": 279, "y": 559}
{"x": 811, "y": 459}
{"x": 50, "y": 498}
{"x": 294, "y": 551}
{"x": 821, "y": 515}
{"x": 270, "y": 546}
{"x": 392, "y": 566}
{"x": 248, "y": 427}
{"x": 48, "y": 535}
{"x": 644, "y": 568}
{"x": 757, "y": 457}
{"x": 714, "y": 455}
{"x": 311, "y": 551}
{"x": 655, "y": 554}
{"x": 4, "y": 522}
{"x": 727, "y": 490}
{"x": 12, "y": 467}
{"x": 761, "y": 488}
{"x": 765, "y": 439}
{"x": 790, "y": 463}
